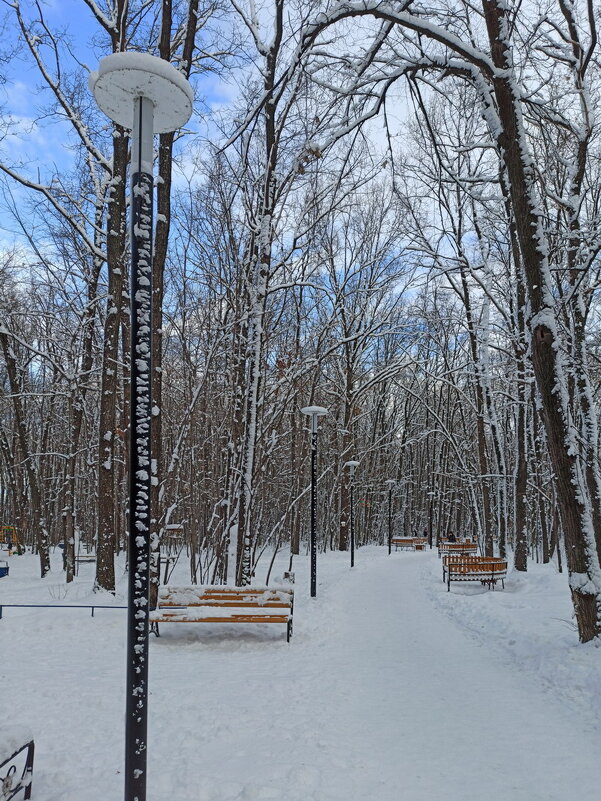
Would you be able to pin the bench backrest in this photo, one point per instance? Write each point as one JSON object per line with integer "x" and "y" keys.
{"x": 486, "y": 565}
{"x": 452, "y": 558}
{"x": 464, "y": 544}
{"x": 409, "y": 540}
{"x": 219, "y": 595}
{"x": 457, "y": 547}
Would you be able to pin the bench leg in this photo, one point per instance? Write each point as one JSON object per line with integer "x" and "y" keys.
{"x": 154, "y": 628}
{"x": 289, "y": 630}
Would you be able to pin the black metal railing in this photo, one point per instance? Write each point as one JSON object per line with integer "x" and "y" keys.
{"x": 62, "y": 606}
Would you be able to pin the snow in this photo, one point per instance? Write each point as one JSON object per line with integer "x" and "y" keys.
{"x": 123, "y": 76}
{"x": 13, "y": 738}
{"x": 391, "y": 688}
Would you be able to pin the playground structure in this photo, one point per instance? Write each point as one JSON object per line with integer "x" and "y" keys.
{"x": 10, "y": 540}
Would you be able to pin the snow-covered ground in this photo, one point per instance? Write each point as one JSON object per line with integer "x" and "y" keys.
{"x": 390, "y": 689}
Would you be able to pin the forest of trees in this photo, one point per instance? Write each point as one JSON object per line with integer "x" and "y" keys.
{"x": 398, "y": 218}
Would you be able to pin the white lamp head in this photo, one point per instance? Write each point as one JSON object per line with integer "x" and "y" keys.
{"x": 314, "y": 412}
{"x": 317, "y": 410}
{"x": 352, "y": 465}
{"x": 122, "y": 77}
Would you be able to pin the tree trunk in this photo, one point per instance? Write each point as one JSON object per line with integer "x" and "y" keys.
{"x": 107, "y": 501}
{"x": 38, "y": 519}
{"x": 575, "y": 506}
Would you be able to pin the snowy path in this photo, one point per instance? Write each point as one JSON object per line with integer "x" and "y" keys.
{"x": 380, "y": 695}
{"x": 463, "y": 727}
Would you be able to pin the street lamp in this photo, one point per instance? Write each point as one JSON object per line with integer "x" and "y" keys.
{"x": 314, "y": 412}
{"x": 146, "y": 94}
{"x": 391, "y": 482}
{"x": 352, "y": 465}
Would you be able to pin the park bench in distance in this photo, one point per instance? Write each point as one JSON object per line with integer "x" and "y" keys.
{"x": 14, "y": 779}
{"x": 485, "y": 569}
{"x": 221, "y": 604}
{"x": 464, "y": 548}
{"x": 83, "y": 558}
{"x": 409, "y": 543}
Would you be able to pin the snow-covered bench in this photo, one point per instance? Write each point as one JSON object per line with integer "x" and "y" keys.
{"x": 221, "y": 604}
{"x": 485, "y": 569}
{"x": 409, "y": 543}
{"x": 16, "y": 764}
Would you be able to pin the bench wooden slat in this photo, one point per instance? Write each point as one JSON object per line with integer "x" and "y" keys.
{"x": 200, "y": 591}
{"x": 228, "y": 602}
{"x": 216, "y": 619}
{"x": 244, "y": 593}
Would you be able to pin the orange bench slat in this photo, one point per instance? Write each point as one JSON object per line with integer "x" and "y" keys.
{"x": 156, "y": 618}
{"x": 233, "y": 604}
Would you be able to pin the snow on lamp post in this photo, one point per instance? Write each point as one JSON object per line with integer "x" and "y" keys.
{"x": 391, "y": 482}
{"x": 314, "y": 412}
{"x": 352, "y": 466}
{"x": 147, "y": 95}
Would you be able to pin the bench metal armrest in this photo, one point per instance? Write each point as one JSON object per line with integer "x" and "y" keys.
{"x": 10, "y": 785}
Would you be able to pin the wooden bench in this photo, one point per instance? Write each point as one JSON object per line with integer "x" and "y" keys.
{"x": 485, "y": 569}
{"x": 464, "y": 548}
{"x": 409, "y": 543}
{"x": 221, "y": 604}
{"x": 14, "y": 776}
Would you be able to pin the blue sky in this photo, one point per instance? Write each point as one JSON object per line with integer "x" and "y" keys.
{"x": 41, "y": 143}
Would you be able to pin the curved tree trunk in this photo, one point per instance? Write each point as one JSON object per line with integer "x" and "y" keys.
{"x": 546, "y": 347}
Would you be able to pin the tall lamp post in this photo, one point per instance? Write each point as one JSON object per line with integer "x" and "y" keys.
{"x": 314, "y": 412}
{"x": 391, "y": 482}
{"x": 352, "y": 466}
{"x": 148, "y": 95}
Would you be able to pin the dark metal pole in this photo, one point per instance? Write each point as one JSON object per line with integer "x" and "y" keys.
{"x": 389, "y": 519}
{"x": 313, "y": 508}
{"x": 352, "y": 525}
{"x": 136, "y": 713}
